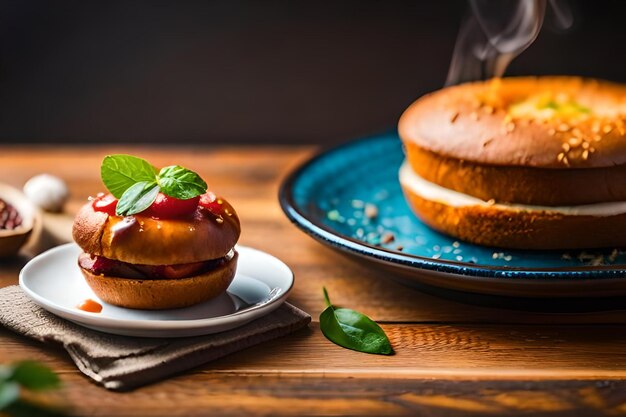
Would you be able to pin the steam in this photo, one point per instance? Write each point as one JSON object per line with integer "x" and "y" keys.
{"x": 496, "y": 31}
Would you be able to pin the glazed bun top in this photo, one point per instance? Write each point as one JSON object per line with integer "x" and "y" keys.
{"x": 546, "y": 122}
{"x": 144, "y": 240}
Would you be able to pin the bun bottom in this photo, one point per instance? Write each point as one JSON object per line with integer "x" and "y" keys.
{"x": 519, "y": 229}
{"x": 158, "y": 294}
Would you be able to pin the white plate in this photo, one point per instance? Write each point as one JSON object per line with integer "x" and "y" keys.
{"x": 261, "y": 284}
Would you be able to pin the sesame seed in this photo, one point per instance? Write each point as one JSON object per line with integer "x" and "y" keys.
{"x": 585, "y": 154}
{"x": 565, "y": 147}
{"x": 455, "y": 244}
{"x": 387, "y": 238}
{"x": 489, "y": 109}
{"x": 563, "y": 127}
{"x": 474, "y": 115}
{"x": 596, "y": 127}
{"x": 551, "y": 132}
{"x": 510, "y": 127}
{"x": 335, "y": 216}
{"x": 358, "y": 204}
{"x": 491, "y": 202}
{"x": 607, "y": 129}
{"x": 574, "y": 142}
{"x": 371, "y": 211}
{"x": 585, "y": 145}
{"x": 565, "y": 160}
{"x": 560, "y": 157}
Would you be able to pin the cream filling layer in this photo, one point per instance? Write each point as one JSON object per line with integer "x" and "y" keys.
{"x": 433, "y": 192}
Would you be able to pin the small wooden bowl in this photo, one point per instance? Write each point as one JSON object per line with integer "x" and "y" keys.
{"x": 12, "y": 240}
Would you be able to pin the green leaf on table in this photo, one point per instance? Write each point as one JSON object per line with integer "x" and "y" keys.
{"x": 34, "y": 376}
{"x": 182, "y": 183}
{"x": 353, "y": 330}
{"x": 120, "y": 172}
{"x": 9, "y": 393}
{"x": 137, "y": 198}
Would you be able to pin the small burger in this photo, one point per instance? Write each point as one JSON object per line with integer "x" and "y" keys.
{"x": 529, "y": 163}
{"x": 158, "y": 239}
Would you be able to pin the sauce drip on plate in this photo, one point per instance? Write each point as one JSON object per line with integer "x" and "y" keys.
{"x": 90, "y": 306}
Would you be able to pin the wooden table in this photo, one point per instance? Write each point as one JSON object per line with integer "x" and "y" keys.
{"x": 451, "y": 359}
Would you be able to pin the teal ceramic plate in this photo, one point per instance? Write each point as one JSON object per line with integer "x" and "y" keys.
{"x": 349, "y": 198}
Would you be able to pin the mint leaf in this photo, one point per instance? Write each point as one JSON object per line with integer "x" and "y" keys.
{"x": 182, "y": 183}
{"x": 120, "y": 172}
{"x": 137, "y": 198}
{"x": 34, "y": 376}
{"x": 353, "y": 330}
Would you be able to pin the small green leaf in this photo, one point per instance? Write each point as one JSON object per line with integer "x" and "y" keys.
{"x": 137, "y": 198}
{"x": 120, "y": 172}
{"x": 34, "y": 376}
{"x": 9, "y": 393}
{"x": 181, "y": 183}
{"x": 353, "y": 330}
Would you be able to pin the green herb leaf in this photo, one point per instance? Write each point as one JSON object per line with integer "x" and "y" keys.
{"x": 9, "y": 393}
{"x": 120, "y": 172}
{"x": 353, "y": 330}
{"x": 137, "y": 198}
{"x": 181, "y": 183}
{"x": 34, "y": 376}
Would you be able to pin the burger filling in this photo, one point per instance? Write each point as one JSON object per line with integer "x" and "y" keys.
{"x": 99, "y": 265}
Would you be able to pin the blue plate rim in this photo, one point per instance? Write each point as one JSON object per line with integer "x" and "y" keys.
{"x": 352, "y": 246}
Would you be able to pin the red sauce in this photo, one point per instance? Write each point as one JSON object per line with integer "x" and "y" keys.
{"x": 90, "y": 306}
{"x": 211, "y": 203}
{"x": 105, "y": 203}
{"x": 165, "y": 207}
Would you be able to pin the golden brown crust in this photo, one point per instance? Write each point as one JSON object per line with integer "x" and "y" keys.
{"x": 144, "y": 240}
{"x": 88, "y": 228}
{"x": 483, "y": 122}
{"x": 515, "y": 229}
{"x": 520, "y": 185}
{"x": 162, "y": 293}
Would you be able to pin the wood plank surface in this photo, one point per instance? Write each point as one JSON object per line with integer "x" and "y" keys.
{"x": 451, "y": 358}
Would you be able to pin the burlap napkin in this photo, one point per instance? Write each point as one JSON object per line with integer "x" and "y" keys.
{"x": 123, "y": 363}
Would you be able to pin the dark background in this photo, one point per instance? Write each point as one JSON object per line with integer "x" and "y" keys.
{"x": 250, "y": 71}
